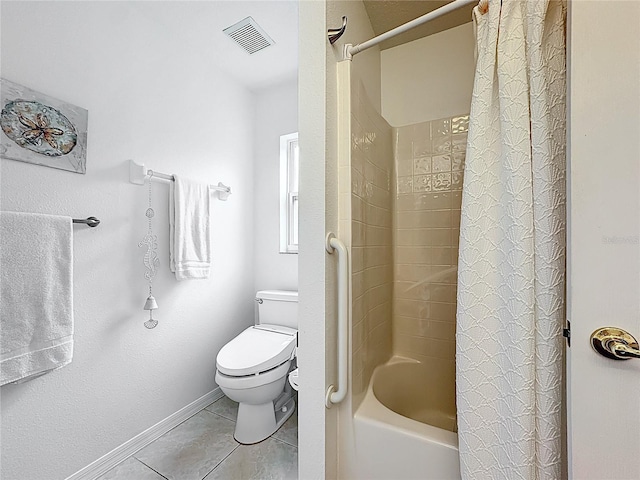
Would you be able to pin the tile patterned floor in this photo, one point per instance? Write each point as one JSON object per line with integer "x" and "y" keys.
{"x": 203, "y": 448}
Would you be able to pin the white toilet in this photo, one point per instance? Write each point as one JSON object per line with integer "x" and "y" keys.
{"x": 252, "y": 368}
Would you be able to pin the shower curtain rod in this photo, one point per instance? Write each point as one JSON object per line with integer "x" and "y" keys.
{"x": 351, "y": 50}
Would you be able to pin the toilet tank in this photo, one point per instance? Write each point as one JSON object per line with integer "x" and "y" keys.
{"x": 278, "y": 307}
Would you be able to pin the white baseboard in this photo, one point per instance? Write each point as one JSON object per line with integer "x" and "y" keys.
{"x": 128, "y": 448}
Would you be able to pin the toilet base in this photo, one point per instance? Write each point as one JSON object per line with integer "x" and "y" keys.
{"x": 281, "y": 416}
{"x": 258, "y": 422}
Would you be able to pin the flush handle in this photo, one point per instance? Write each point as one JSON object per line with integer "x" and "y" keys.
{"x": 615, "y": 343}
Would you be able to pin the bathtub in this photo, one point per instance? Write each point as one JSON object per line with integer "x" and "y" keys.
{"x": 390, "y": 444}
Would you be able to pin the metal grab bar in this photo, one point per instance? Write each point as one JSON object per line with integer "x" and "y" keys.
{"x": 336, "y": 396}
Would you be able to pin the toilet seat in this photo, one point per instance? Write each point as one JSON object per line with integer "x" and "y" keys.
{"x": 248, "y": 382}
{"x": 257, "y": 349}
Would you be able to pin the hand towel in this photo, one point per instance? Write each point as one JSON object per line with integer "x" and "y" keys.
{"x": 189, "y": 229}
{"x": 36, "y": 311}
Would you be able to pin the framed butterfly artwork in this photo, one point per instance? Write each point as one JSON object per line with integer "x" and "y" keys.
{"x": 42, "y": 130}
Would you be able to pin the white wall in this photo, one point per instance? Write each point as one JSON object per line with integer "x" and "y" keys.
{"x": 603, "y": 258}
{"x": 315, "y": 457}
{"x": 154, "y": 99}
{"x": 276, "y": 114}
{"x": 428, "y": 78}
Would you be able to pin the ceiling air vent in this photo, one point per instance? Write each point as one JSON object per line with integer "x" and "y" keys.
{"x": 248, "y": 34}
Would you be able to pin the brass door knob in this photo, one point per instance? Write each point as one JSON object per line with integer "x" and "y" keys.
{"x": 615, "y": 343}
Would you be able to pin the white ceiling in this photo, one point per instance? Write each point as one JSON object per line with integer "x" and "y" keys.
{"x": 199, "y": 25}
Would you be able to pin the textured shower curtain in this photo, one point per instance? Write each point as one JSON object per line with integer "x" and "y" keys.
{"x": 512, "y": 247}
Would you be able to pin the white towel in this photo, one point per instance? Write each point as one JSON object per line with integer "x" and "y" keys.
{"x": 36, "y": 312}
{"x": 189, "y": 229}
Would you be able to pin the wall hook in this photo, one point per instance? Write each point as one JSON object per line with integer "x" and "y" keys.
{"x": 335, "y": 33}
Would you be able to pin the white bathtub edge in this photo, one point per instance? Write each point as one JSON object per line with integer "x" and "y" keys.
{"x": 389, "y": 445}
{"x": 373, "y": 412}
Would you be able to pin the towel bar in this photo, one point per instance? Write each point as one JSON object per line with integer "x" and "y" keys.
{"x": 138, "y": 174}
{"x": 91, "y": 221}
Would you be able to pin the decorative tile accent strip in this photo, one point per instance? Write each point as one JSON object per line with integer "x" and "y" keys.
{"x": 421, "y": 165}
{"x": 460, "y": 124}
{"x": 430, "y": 152}
{"x": 441, "y": 163}
{"x": 421, "y": 183}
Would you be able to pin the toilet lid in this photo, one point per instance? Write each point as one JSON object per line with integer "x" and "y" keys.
{"x": 256, "y": 350}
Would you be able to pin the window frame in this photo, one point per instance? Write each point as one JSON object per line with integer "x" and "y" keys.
{"x": 288, "y": 197}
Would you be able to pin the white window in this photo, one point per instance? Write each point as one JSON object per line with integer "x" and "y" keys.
{"x": 289, "y": 167}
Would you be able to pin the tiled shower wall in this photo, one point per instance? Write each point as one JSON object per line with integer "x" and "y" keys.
{"x": 429, "y": 160}
{"x": 371, "y": 173}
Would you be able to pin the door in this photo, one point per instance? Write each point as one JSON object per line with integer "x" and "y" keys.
{"x": 603, "y": 235}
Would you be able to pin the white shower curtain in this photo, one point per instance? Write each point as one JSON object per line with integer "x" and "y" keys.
{"x": 512, "y": 253}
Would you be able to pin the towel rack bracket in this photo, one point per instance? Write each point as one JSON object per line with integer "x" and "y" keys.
{"x": 137, "y": 173}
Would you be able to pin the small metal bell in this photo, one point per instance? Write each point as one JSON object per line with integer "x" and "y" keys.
{"x": 151, "y": 303}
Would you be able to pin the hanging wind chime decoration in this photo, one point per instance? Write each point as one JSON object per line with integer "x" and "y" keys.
{"x": 151, "y": 261}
